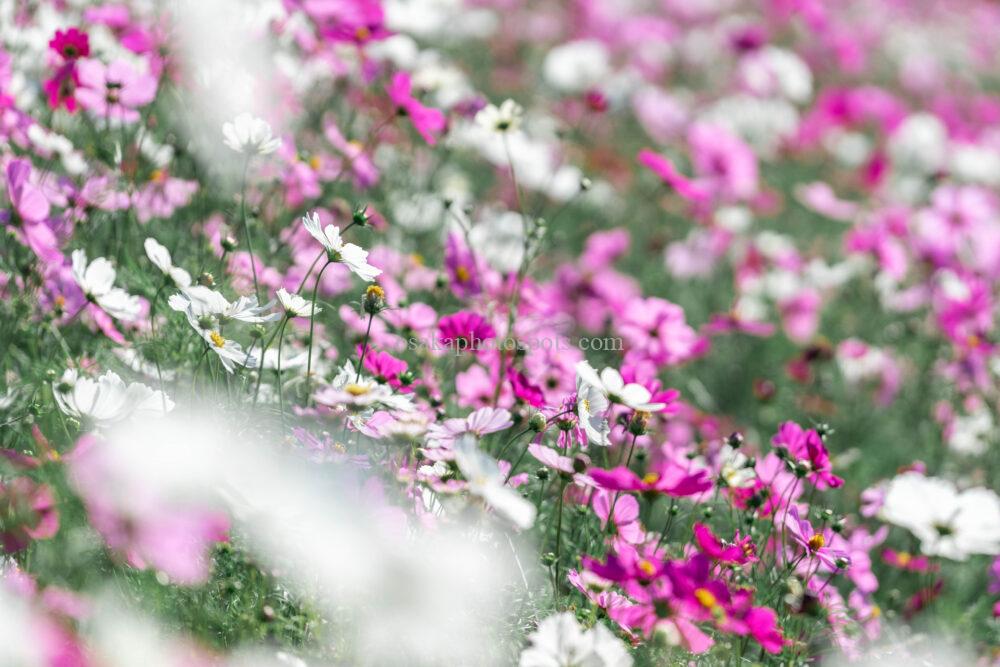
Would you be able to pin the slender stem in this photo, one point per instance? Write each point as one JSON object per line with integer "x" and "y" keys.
{"x": 312, "y": 321}
{"x": 555, "y": 578}
{"x": 246, "y": 227}
{"x": 364, "y": 346}
{"x": 281, "y": 392}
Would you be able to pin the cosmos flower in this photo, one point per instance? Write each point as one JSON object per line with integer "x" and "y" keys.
{"x": 505, "y": 118}
{"x": 814, "y": 543}
{"x": 664, "y": 477}
{"x": 115, "y": 90}
{"x": 71, "y": 43}
{"x": 160, "y": 257}
{"x": 295, "y": 305}
{"x": 428, "y": 121}
{"x": 107, "y": 399}
{"x": 591, "y": 409}
{"x": 249, "y": 135}
{"x": 948, "y": 522}
{"x": 200, "y": 301}
{"x": 613, "y": 387}
{"x": 559, "y": 641}
{"x": 29, "y": 513}
{"x": 97, "y": 279}
{"x": 349, "y": 254}
{"x": 487, "y": 482}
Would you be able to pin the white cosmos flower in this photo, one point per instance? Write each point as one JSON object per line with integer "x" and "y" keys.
{"x": 611, "y": 384}
{"x": 734, "y": 469}
{"x": 591, "y": 407}
{"x": 230, "y": 353}
{"x": 505, "y": 118}
{"x": 250, "y": 135}
{"x": 355, "y": 391}
{"x": 948, "y": 522}
{"x": 560, "y": 641}
{"x": 295, "y": 305}
{"x": 97, "y": 279}
{"x": 353, "y": 256}
{"x": 160, "y": 257}
{"x": 487, "y": 482}
{"x": 200, "y": 300}
{"x": 107, "y": 399}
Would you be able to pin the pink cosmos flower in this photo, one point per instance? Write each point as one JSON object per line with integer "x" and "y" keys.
{"x": 462, "y": 267}
{"x": 115, "y": 90}
{"x": 807, "y": 446}
{"x": 385, "y": 368}
{"x": 626, "y": 515}
{"x": 162, "y": 196}
{"x": 724, "y": 162}
{"x": 27, "y": 512}
{"x": 464, "y": 330}
{"x": 426, "y": 120}
{"x": 32, "y": 211}
{"x": 814, "y": 542}
{"x": 693, "y": 191}
{"x": 666, "y": 477}
{"x": 904, "y": 560}
{"x": 71, "y": 44}
{"x": 656, "y": 329}
{"x": 739, "y": 552}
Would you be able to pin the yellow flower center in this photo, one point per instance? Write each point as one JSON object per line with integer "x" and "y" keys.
{"x": 904, "y": 558}
{"x": 586, "y": 406}
{"x": 217, "y": 340}
{"x": 417, "y": 258}
{"x": 462, "y": 274}
{"x": 362, "y": 33}
{"x": 647, "y": 568}
{"x": 315, "y": 162}
{"x": 651, "y": 478}
{"x": 356, "y": 389}
{"x": 705, "y": 597}
{"x": 816, "y": 542}
{"x": 158, "y": 176}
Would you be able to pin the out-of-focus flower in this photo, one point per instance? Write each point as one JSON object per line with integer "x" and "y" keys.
{"x": 115, "y": 90}
{"x": 948, "y": 522}
{"x": 107, "y": 399}
{"x": 428, "y": 121}
{"x": 250, "y": 135}
{"x": 487, "y": 482}
{"x": 505, "y": 118}
{"x": 27, "y": 512}
{"x": 559, "y": 641}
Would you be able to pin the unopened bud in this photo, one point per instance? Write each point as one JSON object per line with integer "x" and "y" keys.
{"x": 537, "y": 422}
{"x": 373, "y": 301}
{"x": 639, "y": 422}
{"x": 229, "y": 243}
{"x": 206, "y": 279}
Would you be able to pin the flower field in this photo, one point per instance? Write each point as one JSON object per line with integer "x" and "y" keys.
{"x": 580, "y": 333}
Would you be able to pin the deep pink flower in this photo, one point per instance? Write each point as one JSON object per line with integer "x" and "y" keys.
{"x": 741, "y": 551}
{"x": 32, "y": 210}
{"x": 807, "y": 446}
{"x": 524, "y": 389}
{"x": 385, "y": 367}
{"x": 61, "y": 87}
{"x": 427, "y": 120}
{"x": 667, "y": 477}
{"x": 904, "y": 560}
{"x": 71, "y": 44}
{"x": 693, "y": 191}
{"x": 464, "y": 330}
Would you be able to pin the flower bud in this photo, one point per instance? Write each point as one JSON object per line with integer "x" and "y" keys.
{"x": 406, "y": 378}
{"x": 537, "y": 422}
{"x": 580, "y": 463}
{"x": 373, "y": 301}
{"x": 206, "y": 279}
{"x": 542, "y": 474}
{"x": 735, "y": 440}
{"x": 257, "y": 331}
{"x": 229, "y": 243}
{"x": 360, "y": 216}
{"x": 639, "y": 423}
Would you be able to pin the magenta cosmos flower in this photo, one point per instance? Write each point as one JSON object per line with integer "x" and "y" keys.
{"x": 27, "y": 512}
{"x": 426, "y": 120}
{"x": 668, "y": 478}
{"x": 115, "y": 90}
{"x": 807, "y": 446}
{"x": 464, "y": 330}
